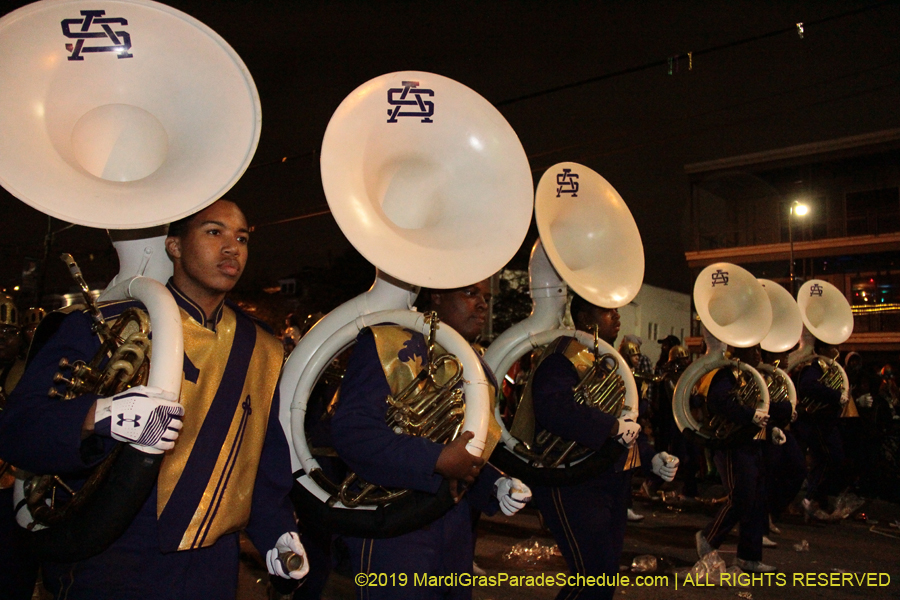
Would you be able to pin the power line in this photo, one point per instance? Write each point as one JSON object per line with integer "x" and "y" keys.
{"x": 667, "y": 61}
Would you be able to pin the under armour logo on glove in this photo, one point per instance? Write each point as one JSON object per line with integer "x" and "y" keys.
{"x": 136, "y": 420}
{"x": 147, "y": 417}
{"x": 628, "y": 432}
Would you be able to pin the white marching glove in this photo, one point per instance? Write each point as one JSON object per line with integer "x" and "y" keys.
{"x": 845, "y": 398}
{"x": 794, "y": 415}
{"x": 512, "y": 494}
{"x": 760, "y": 418}
{"x": 778, "y": 437}
{"x": 865, "y": 401}
{"x": 628, "y": 432}
{"x": 665, "y": 465}
{"x": 288, "y": 552}
{"x": 145, "y": 416}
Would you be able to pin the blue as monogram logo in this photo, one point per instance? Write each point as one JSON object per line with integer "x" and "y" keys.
{"x": 410, "y": 88}
{"x": 567, "y": 184}
{"x": 720, "y": 276}
{"x": 816, "y": 290}
{"x": 135, "y": 422}
{"x": 120, "y": 41}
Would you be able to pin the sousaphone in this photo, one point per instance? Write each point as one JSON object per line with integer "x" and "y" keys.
{"x": 783, "y": 335}
{"x": 431, "y": 184}
{"x": 589, "y": 242}
{"x": 121, "y": 115}
{"x": 827, "y": 316}
{"x": 734, "y": 309}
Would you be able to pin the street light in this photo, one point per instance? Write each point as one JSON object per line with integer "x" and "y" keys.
{"x": 799, "y": 209}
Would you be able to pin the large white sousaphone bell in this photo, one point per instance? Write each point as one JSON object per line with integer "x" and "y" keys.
{"x": 121, "y": 115}
{"x": 825, "y": 311}
{"x": 431, "y": 184}
{"x": 787, "y": 324}
{"x": 783, "y": 335}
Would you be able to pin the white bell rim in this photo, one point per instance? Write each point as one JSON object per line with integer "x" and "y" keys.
{"x": 122, "y": 143}
{"x": 825, "y": 311}
{"x": 787, "y": 326}
{"x": 441, "y": 198}
{"x": 589, "y": 235}
{"x": 732, "y": 305}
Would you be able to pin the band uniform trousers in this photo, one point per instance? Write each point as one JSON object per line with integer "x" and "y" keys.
{"x": 740, "y": 465}
{"x": 587, "y": 519}
{"x": 588, "y": 522}
{"x": 818, "y": 432}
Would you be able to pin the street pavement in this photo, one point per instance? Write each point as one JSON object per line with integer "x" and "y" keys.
{"x": 840, "y": 556}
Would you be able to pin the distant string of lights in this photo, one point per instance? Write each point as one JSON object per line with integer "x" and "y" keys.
{"x": 875, "y": 309}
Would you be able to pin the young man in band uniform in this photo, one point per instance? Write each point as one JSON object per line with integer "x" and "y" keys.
{"x": 587, "y": 518}
{"x": 381, "y": 456}
{"x": 818, "y": 432}
{"x": 740, "y": 465}
{"x": 227, "y": 465}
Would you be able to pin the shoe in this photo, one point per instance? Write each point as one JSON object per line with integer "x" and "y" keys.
{"x": 633, "y": 516}
{"x": 754, "y": 566}
{"x": 703, "y": 547}
{"x": 476, "y": 570}
{"x": 773, "y": 528}
{"x": 768, "y": 543}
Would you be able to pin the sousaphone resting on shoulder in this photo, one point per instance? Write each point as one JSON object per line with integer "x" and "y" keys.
{"x": 589, "y": 242}
{"x": 431, "y": 184}
{"x": 734, "y": 310}
{"x": 122, "y": 115}
{"x": 782, "y": 336}
{"x": 826, "y": 316}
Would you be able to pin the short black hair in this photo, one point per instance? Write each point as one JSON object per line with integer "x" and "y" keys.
{"x": 179, "y": 227}
{"x": 821, "y": 345}
{"x": 579, "y": 307}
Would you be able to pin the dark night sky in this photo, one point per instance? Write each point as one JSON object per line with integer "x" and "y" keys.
{"x": 755, "y": 85}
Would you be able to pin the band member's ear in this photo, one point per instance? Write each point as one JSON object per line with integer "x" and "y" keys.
{"x": 173, "y": 247}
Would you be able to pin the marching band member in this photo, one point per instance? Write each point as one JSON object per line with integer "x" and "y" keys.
{"x": 740, "y": 465}
{"x": 785, "y": 464}
{"x": 18, "y": 569}
{"x": 377, "y": 454}
{"x": 817, "y": 430}
{"x": 227, "y": 465}
{"x": 587, "y": 519}
{"x": 630, "y": 349}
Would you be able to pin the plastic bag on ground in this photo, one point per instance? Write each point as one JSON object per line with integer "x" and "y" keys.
{"x": 846, "y": 504}
{"x": 532, "y": 551}
{"x": 645, "y": 563}
{"x": 709, "y": 568}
